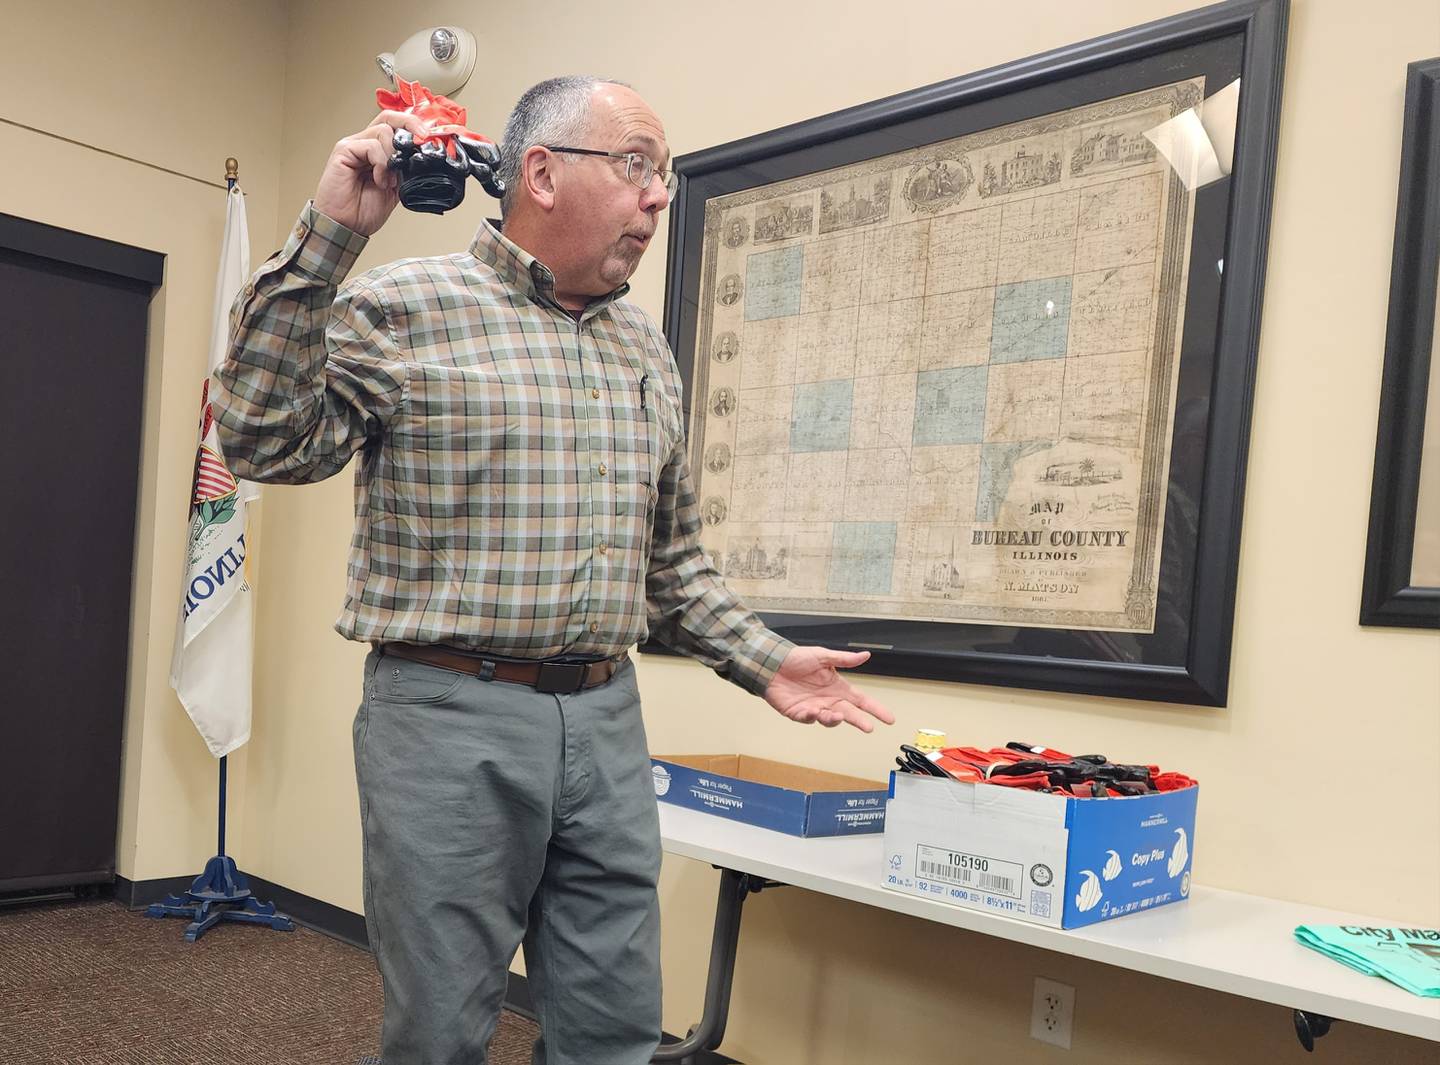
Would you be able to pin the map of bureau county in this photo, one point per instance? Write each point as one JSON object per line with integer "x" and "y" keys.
{"x": 940, "y": 384}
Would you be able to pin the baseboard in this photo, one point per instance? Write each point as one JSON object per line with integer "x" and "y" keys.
{"x": 137, "y": 894}
{"x": 334, "y": 921}
{"x": 337, "y": 923}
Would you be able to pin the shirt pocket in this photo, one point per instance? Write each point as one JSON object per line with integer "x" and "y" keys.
{"x": 638, "y": 454}
{"x": 641, "y": 438}
{"x": 450, "y": 457}
{"x": 635, "y": 514}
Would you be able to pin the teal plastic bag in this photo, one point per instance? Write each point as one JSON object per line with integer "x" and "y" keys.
{"x": 1409, "y": 957}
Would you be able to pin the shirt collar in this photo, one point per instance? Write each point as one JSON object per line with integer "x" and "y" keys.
{"x": 516, "y": 266}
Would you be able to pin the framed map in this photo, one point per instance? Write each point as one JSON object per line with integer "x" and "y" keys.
{"x": 968, "y": 369}
{"x": 1402, "y": 559}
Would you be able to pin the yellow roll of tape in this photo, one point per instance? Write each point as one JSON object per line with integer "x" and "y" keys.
{"x": 929, "y": 739}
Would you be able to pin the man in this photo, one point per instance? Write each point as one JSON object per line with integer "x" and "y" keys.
{"x": 523, "y": 509}
{"x": 730, "y": 290}
{"x": 725, "y": 352}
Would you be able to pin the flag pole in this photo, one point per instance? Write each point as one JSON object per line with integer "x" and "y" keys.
{"x": 220, "y": 847}
{"x": 232, "y": 177}
{"x": 221, "y": 892}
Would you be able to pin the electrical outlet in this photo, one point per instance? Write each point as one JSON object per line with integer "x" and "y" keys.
{"x": 1053, "y": 1015}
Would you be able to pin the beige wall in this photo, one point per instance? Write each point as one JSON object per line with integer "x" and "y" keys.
{"x": 181, "y": 85}
{"x": 818, "y": 980}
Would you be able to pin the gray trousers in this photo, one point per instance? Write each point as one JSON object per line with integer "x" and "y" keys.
{"x": 492, "y": 814}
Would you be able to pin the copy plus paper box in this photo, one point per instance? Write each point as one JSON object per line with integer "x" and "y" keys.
{"x": 787, "y": 798}
{"x": 1048, "y": 859}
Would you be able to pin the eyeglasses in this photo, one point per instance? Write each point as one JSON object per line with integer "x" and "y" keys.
{"x": 638, "y": 167}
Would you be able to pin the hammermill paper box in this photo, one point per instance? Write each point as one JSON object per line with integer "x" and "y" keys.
{"x": 1049, "y": 859}
{"x": 794, "y": 799}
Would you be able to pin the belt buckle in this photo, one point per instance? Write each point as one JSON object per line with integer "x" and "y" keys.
{"x": 560, "y": 678}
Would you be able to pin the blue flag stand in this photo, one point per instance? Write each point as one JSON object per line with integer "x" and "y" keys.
{"x": 220, "y": 893}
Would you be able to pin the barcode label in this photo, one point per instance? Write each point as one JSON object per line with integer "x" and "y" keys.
{"x": 968, "y": 870}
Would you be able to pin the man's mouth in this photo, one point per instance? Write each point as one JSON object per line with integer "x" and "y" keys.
{"x": 641, "y": 239}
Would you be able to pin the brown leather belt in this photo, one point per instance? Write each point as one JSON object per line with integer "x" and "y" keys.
{"x": 554, "y": 678}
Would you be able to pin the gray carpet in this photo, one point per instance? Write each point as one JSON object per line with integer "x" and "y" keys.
{"x": 91, "y": 983}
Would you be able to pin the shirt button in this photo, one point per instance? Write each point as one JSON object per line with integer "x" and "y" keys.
{"x": 604, "y": 469}
{"x": 594, "y": 393}
{"x": 300, "y": 231}
{"x": 594, "y": 626}
{"x": 604, "y": 547}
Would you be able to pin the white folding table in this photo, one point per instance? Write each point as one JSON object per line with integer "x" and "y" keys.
{"x": 1225, "y": 940}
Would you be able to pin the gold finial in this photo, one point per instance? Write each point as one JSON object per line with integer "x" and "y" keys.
{"x": 232, "y": 169}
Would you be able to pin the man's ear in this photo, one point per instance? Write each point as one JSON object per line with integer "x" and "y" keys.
{"x": 538, "y": 175}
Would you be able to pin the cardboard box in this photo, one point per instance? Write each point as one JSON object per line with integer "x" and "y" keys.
{"x": 1049, "y": 859}
{"x": 787, "y": 798}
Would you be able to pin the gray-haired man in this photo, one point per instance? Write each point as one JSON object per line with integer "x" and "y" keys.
{"x": 524, "y": 513}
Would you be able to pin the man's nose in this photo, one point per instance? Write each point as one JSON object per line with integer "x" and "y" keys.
{"x": 655, "y": 197}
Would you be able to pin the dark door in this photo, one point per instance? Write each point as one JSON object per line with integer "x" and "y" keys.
{"x": 73, "y": 313}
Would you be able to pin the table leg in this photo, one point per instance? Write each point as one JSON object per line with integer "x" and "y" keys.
{"x": 708, "y": 1034}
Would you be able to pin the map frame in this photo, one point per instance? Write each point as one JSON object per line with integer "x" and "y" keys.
{"x": 1186, "y": 659}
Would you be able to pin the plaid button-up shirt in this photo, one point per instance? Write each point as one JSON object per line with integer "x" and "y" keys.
{"x": 522, "y": 485}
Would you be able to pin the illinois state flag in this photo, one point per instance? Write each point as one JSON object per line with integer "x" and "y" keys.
{"x": 210, "y": 670}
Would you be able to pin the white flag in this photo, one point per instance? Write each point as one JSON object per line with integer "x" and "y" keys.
{"x": 210, "y": 671}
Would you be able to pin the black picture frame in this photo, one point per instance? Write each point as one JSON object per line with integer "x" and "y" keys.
{"x": 1189, "y": 662}
{"x": 1387, "y": 596}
